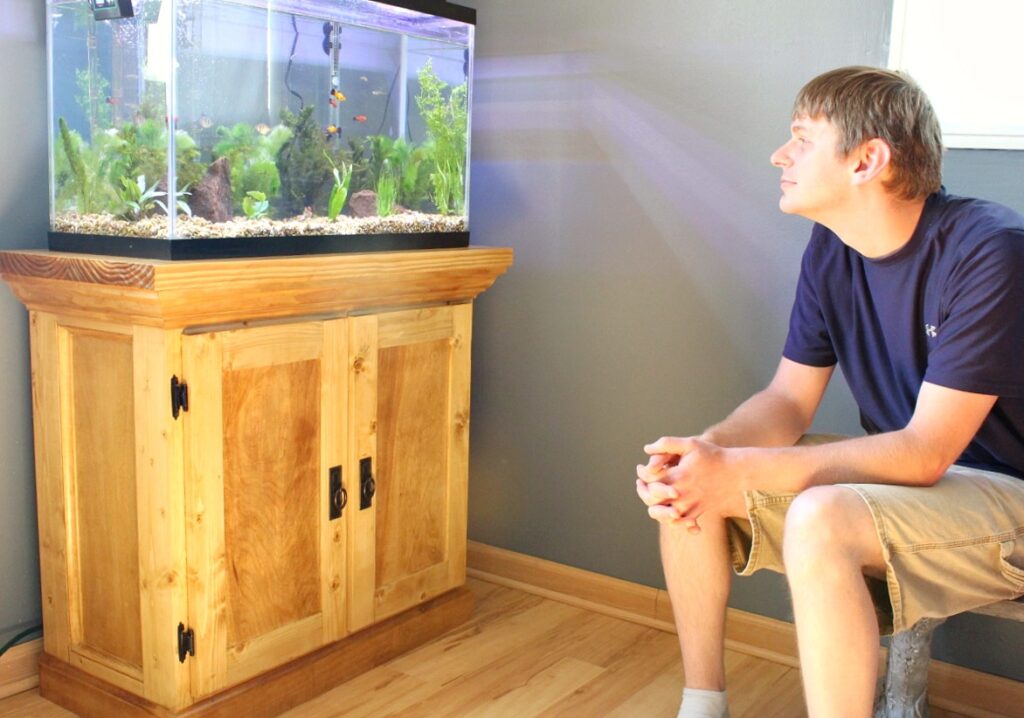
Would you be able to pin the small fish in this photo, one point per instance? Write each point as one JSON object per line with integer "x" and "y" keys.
{"x": 377, "y": 93}
{"x": 205, "y": 122}
{"x": 332, "y": 131}
{"x": 263, "y": 128}
{"x": 336, "y": 94}
{"x": 334, "y": 103}
{"x": 360, "y": 118}
{"x": 111, "y": 100}
{"x": 364, "y": 78}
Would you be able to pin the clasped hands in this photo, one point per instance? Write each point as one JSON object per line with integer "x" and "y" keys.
{"x": 684, "y": 478}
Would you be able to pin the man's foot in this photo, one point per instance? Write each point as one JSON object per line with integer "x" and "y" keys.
{"x": 703, "y": 704}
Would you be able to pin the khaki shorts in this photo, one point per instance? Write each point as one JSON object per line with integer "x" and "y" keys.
{"x": 948, "y": 548}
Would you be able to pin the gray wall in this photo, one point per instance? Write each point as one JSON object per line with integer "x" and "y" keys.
{"x": 623, "y": 154}
{"x": 23, "y": 223}
{"x": 622, "y": 151}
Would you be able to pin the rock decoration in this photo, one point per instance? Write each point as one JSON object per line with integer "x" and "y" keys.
{"x": 211, "y": 198}
{"x": 363, "y": 203}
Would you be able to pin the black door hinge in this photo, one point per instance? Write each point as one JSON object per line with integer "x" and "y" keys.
{"x": 179, "y": 396}
{"x": 186, "y": 643}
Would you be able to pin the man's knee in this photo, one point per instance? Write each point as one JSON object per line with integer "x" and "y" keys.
{"x": 829, "y": 526}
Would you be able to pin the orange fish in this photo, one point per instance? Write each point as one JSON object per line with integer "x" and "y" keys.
{"x": 332, "y": 131}
{"x": 360, "y": 118}
{"x": 336, "y": 95}
{"x": 111, "y": 100}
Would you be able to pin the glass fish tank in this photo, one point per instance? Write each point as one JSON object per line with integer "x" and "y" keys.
{"x": 190, "y": 129}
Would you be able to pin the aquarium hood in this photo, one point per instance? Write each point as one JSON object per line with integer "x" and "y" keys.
{"x": 424, "y": 18}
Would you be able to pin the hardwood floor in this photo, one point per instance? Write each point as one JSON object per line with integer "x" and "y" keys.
{"x": 522, "y": 656}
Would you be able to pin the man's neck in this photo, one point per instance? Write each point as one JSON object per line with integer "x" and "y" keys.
{"x": 879, "y": 225}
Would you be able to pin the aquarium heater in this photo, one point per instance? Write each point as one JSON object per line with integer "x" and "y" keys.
{"x": 112, "y": 9}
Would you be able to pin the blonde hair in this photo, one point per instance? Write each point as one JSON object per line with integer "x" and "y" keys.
{"x": 864, "y": 103}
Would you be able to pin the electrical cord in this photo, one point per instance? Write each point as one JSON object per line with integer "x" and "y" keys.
{"x": 17, "y": 637}
{"x": 291, "y": 58}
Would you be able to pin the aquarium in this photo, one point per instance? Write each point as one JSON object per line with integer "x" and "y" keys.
{"x": 184, "y": 129}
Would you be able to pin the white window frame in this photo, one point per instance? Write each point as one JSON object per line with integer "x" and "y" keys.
{"x": 979, "y": 68}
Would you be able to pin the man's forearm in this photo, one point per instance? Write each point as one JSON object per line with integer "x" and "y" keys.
{"x": 766, "y": 419}
{"x": 897, "y": 457}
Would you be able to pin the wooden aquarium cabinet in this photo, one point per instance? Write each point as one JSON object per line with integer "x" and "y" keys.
{"x": 251, "y": 473}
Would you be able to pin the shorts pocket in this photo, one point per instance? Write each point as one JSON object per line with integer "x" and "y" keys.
{"x": 1011, "y": 556}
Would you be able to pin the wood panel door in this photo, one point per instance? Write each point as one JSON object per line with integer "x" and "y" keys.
{"x": 409, "y": 391}
{"x": 264, "y": 429}
{"x": 110, "y": 513}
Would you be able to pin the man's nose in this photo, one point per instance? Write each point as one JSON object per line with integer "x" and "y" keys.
{"x": 779, "y": 158}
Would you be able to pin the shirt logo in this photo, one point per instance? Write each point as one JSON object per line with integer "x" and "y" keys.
{"x": 931, "y": 331}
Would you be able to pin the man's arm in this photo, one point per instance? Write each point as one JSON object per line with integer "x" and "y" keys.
{"x": 707, "y": 476}
{"x": 779, "y": 414}
{"x": 944, "y": 422}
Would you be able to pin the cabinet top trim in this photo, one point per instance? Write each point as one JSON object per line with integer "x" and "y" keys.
{"x": 188, "y": 293}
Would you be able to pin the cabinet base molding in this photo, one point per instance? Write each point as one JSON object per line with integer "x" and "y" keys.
{"x": 277, "y": 690}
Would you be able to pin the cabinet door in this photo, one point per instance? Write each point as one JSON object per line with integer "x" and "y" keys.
{"x": 409, "y": 417}
{"x": 264, "y": 428}
{"x": 108, "y": 475}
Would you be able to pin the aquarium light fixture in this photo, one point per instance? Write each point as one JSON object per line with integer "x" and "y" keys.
{"x": 112, "y": 9}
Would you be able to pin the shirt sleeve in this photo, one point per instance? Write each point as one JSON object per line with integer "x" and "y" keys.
{"x": 809, "y": 341}
{"x": 981, "y": 326}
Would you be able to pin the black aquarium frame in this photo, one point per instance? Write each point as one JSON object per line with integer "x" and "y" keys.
{"x": 242, "y": 247}
{"x": 441, "y": 8}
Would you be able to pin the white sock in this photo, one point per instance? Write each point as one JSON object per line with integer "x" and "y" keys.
{"x": 703, "y": 704}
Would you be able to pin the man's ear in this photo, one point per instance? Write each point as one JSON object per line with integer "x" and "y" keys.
{"x": 873, "y": 159}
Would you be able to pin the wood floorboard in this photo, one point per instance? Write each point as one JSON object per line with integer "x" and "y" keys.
{"x": 522, "y": 656}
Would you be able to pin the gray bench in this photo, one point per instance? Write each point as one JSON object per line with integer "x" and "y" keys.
{"x": 1012, "y": 610}
{"x": 903, "y": 686}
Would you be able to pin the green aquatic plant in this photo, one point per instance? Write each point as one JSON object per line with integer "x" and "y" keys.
{"x": 303, "y": 162}
{"x": 143, "y": 149}
{"x": 361, "y": 156}
{"x": 448, "y": 186}
{"x": 260, "y": 177}
{"x": 255, "y": 205}
{"x": 72, "y": 150}
{"x": 411, "y": 166}
{"x": 446, "y": 114}
{"x": 92, "y": 86}
{"x": 237, "y": 143}
{"x": 137, "y": 199}
{"x": 387, "y": 190}
{"x": 190, "y": 168}
{"x": 414, "y": 165}
{"x": 252, "y": 158}
{"x": 339, "y": 192}
{"x": 82, "y": 174}
{"x": 179, "y": 202}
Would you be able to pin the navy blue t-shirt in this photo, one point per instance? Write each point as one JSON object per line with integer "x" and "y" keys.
{"x": 946, "y": 308}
